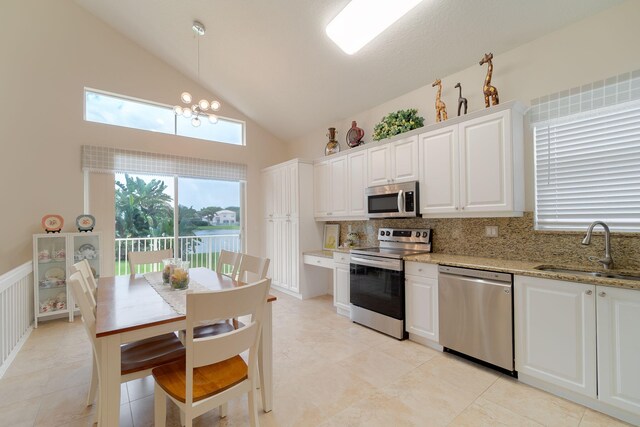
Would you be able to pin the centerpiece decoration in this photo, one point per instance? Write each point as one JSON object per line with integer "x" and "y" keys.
{"x": 180, "y": 276}
{"x": 170, "y": 265}
{"x": 395, "y": 123}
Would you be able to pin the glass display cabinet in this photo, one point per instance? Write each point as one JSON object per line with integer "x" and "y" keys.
{"x": 53, "y": 256}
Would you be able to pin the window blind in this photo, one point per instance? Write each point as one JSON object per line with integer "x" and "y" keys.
{"x": 587, "y": 168}
{"x": 114, "y": 160}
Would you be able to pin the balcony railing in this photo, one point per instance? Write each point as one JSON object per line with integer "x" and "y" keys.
{"x": 200, "y": 251}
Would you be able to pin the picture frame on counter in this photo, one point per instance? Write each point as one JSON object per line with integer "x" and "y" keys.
{"x": 331, "y": 237}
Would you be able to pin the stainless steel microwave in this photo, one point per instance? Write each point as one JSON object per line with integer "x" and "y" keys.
{"x": 393, "y": 200}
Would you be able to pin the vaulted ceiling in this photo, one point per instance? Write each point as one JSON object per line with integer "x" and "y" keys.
{"x": 272, "y": 60}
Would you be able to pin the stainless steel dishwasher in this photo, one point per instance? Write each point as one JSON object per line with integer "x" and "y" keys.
{"x": 476, "y": 314}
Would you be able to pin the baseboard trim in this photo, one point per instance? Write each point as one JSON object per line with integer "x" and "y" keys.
{"x": 15, "y": 351}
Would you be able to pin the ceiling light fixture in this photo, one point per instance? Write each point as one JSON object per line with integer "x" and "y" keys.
{"x": 362, "y": 20}
{"x": 201, "y": 107}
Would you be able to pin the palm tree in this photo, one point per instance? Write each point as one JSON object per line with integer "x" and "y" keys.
{"x": 142, "y": 208}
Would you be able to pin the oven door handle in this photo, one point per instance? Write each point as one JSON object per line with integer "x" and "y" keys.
{"x": 400, "y": 201}
{"x": 388, "y": 265}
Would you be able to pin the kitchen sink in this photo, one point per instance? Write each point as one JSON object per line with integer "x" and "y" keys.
{"x": 610, "y": 275}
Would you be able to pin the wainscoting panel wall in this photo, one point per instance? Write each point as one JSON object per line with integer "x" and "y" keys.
{"x": 16, "y": 312}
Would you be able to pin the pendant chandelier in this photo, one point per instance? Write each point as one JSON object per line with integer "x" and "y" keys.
{"x": 202, "y": 107}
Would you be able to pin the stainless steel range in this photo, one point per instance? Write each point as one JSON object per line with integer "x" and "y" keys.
{"x": 377, "y": 279}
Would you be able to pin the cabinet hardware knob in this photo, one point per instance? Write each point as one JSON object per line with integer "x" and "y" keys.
{"x": 462, "y": 208}
{"x": 588, "y": 292}
{"x": 456, "y": 208}
{"x": 602, "y": 294}
{"x": 420, "y": 270}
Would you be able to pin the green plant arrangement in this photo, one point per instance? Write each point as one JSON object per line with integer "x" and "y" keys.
{"x": 398, "y": 122}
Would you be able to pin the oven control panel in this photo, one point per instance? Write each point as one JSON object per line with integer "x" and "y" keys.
{"x": 422, "y": 235}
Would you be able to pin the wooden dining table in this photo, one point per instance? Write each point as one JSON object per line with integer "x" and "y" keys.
{"x": 129, "y": 309}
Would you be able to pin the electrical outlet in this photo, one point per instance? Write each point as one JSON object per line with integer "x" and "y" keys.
{"x": 491, "y": 231}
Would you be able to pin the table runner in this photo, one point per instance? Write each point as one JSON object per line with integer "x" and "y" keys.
{"x": 176, "y": 298}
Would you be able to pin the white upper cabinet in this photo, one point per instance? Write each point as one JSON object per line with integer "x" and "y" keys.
{"x": 357, "y": 166}
{"x": 339, "y": 185}
{"x": 473, "y": 168}
{"x": 439, "y": 172}
{"x": 394, "y": 162}
{"x": 405, "y": 160}
{"x": 338, "y": 190}
{"x": 486, "y": 164}
{"x": 379, "y": 159}
{"x": 321, "y": 186}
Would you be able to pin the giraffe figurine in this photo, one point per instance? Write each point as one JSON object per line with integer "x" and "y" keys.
{"x": 461, "y": 101}
{"x": 489, "y": 91}
{"x": 441, "y": 108}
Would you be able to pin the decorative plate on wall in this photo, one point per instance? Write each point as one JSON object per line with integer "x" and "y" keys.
{"x": 52, "y": 223}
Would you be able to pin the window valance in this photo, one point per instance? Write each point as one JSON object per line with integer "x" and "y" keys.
{"x": 115, "y": 160}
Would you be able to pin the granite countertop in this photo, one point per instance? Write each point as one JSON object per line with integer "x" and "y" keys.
{"x": 523, "y": 268}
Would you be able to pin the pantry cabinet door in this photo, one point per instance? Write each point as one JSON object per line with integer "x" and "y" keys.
{"x": 439, "y": 171}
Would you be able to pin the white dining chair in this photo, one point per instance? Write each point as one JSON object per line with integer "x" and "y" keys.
{"x": 137, "y": 358}
{"x": 252, "y": 268}
{"x": 228, "y": 263}
{"x": 147, "y": 257}
{"x": 213, "y": 372}
{"x": 89, "y": 281}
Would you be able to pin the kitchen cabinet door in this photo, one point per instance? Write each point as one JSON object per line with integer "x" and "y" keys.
{"x": 292, "y": 191}
{"x": 618, "y": 313}
{"x": 357, "y": 183}
{"x": 338, "y": 187}
{"x": 421, "y": 304}
{"x": 341, "y": 291}
{"x": 379, "y": 165}
{"x": 439, "y": 172}
{"x": 486, "y": 163}
{"x": 321, "y": 191}
{"x": 405, "y": 160}
{"x": 293, "y": 255}
{"x": 555, "y": 332}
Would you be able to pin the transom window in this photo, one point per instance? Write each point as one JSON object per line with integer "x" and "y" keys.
{"x": 118, "y": 110}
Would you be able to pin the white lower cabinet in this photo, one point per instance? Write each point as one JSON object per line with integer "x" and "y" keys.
{"x": 555, "y": 332}
{"x": 582, "y": 338}
{"x": 341, "y": 285}
{"x": 421, "y": 300}
{"x": 618, "y": 312}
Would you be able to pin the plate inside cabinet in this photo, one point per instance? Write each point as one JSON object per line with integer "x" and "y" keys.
{"x": 87, "y": 251}
{"x": 52, "y": 223}
{"x": 54, "y": 273}
{"x": 85, "y": 222}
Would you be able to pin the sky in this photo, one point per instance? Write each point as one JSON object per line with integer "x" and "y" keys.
{"x": 199, "y": 193}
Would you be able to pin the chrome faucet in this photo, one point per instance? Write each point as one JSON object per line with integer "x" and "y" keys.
{"x": 607, "y": 261}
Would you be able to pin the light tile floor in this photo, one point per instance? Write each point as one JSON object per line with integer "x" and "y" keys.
{"x": 328, "y": 372}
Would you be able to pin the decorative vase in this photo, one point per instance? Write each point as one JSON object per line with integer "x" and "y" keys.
{"x": 332, "y": 146}
{"x": 169, "y": 265}
{"x": 354, "y": 135}
{"x": 180, "y": 276}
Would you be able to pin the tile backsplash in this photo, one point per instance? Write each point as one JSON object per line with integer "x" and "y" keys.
{"x": 517, "y": 240}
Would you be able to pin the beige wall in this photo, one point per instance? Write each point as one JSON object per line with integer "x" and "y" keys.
{"x": 51, "y": 50}
{"x": 601, "y": 46}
